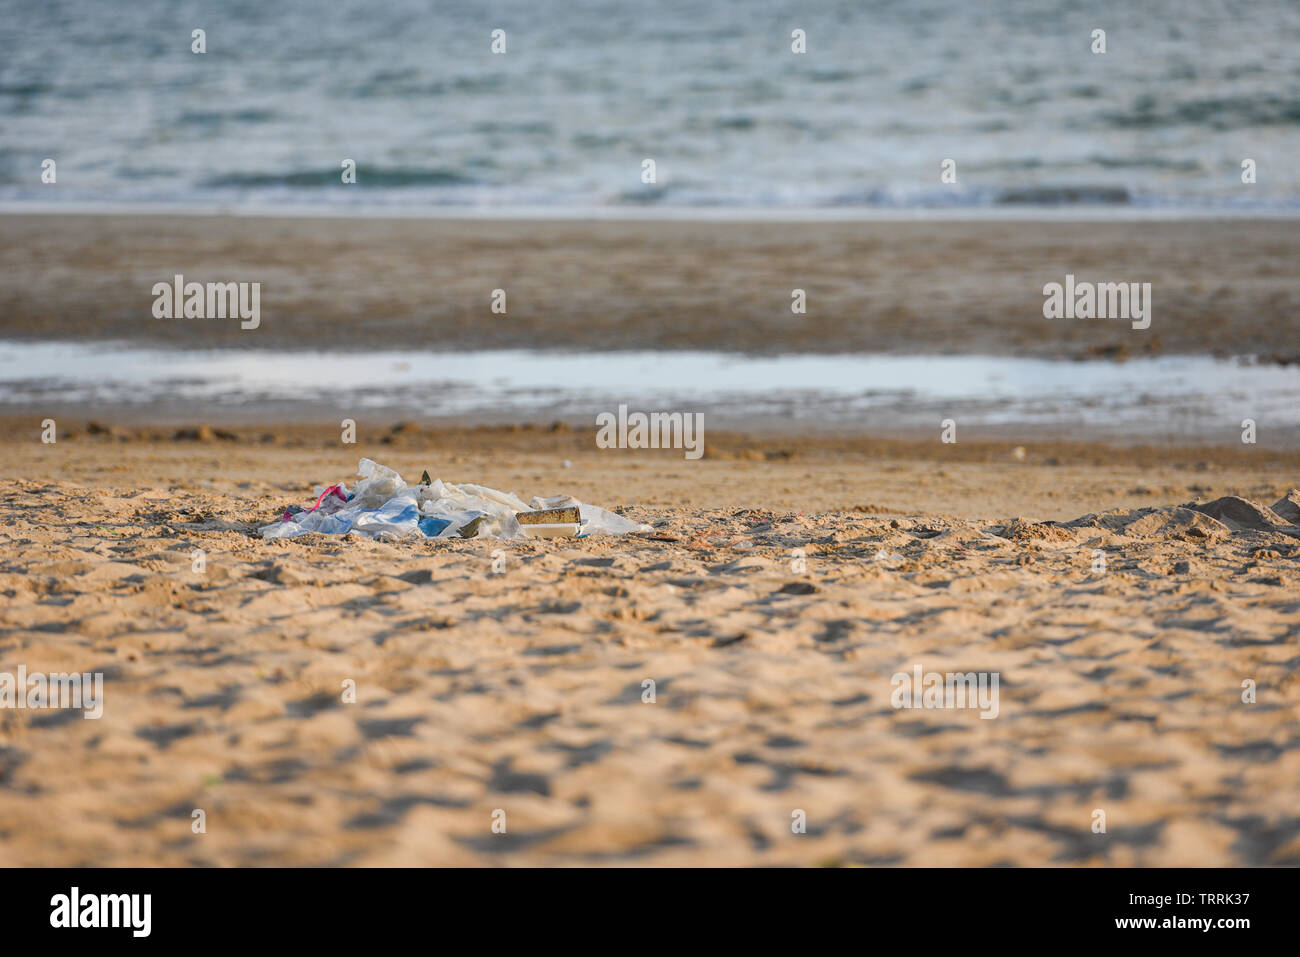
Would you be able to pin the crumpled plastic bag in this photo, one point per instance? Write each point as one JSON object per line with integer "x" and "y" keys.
{"x": 595, "y": 519}
{"x": 383, "y": 506}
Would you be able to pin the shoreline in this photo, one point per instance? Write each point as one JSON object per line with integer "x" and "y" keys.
{"x": 633, "y": 213}
{"x": 1167, "y": 399}
{"x": 767, "y": 432}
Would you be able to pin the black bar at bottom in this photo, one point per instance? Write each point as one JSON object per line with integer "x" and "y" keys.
{"x": 332, "y": 907}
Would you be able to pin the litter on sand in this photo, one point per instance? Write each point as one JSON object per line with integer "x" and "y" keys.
{"x": 383, "y": 506}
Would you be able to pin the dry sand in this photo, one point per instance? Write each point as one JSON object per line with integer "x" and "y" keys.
{"x": 522, "y": 692}
{"x": 894, "y": 287}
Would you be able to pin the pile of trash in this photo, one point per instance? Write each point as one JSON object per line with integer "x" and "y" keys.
{"x": 383, "y": 506}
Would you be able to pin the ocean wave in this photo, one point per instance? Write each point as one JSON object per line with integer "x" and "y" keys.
{"x": 733, "y": 118}
{"x": 367, "y": 177}
{"x": 439, "y": 194}
{"x": 1218, "y": 113}
{"x": 1082, "y": 195}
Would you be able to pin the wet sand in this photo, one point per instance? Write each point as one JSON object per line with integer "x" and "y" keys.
{"x": 522, "y": 692}
{"x": 1219, "y": 287}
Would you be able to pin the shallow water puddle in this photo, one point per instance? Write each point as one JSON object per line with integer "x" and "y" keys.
{"x": 1182, "y": 395}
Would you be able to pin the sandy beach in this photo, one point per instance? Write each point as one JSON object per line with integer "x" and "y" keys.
{"x": 521, "y": 693}
{"x": 1221, "y": 287}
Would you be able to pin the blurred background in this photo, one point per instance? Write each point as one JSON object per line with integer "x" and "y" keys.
{"x": 386, "y": 307}
{"x": 712, "y": 91}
